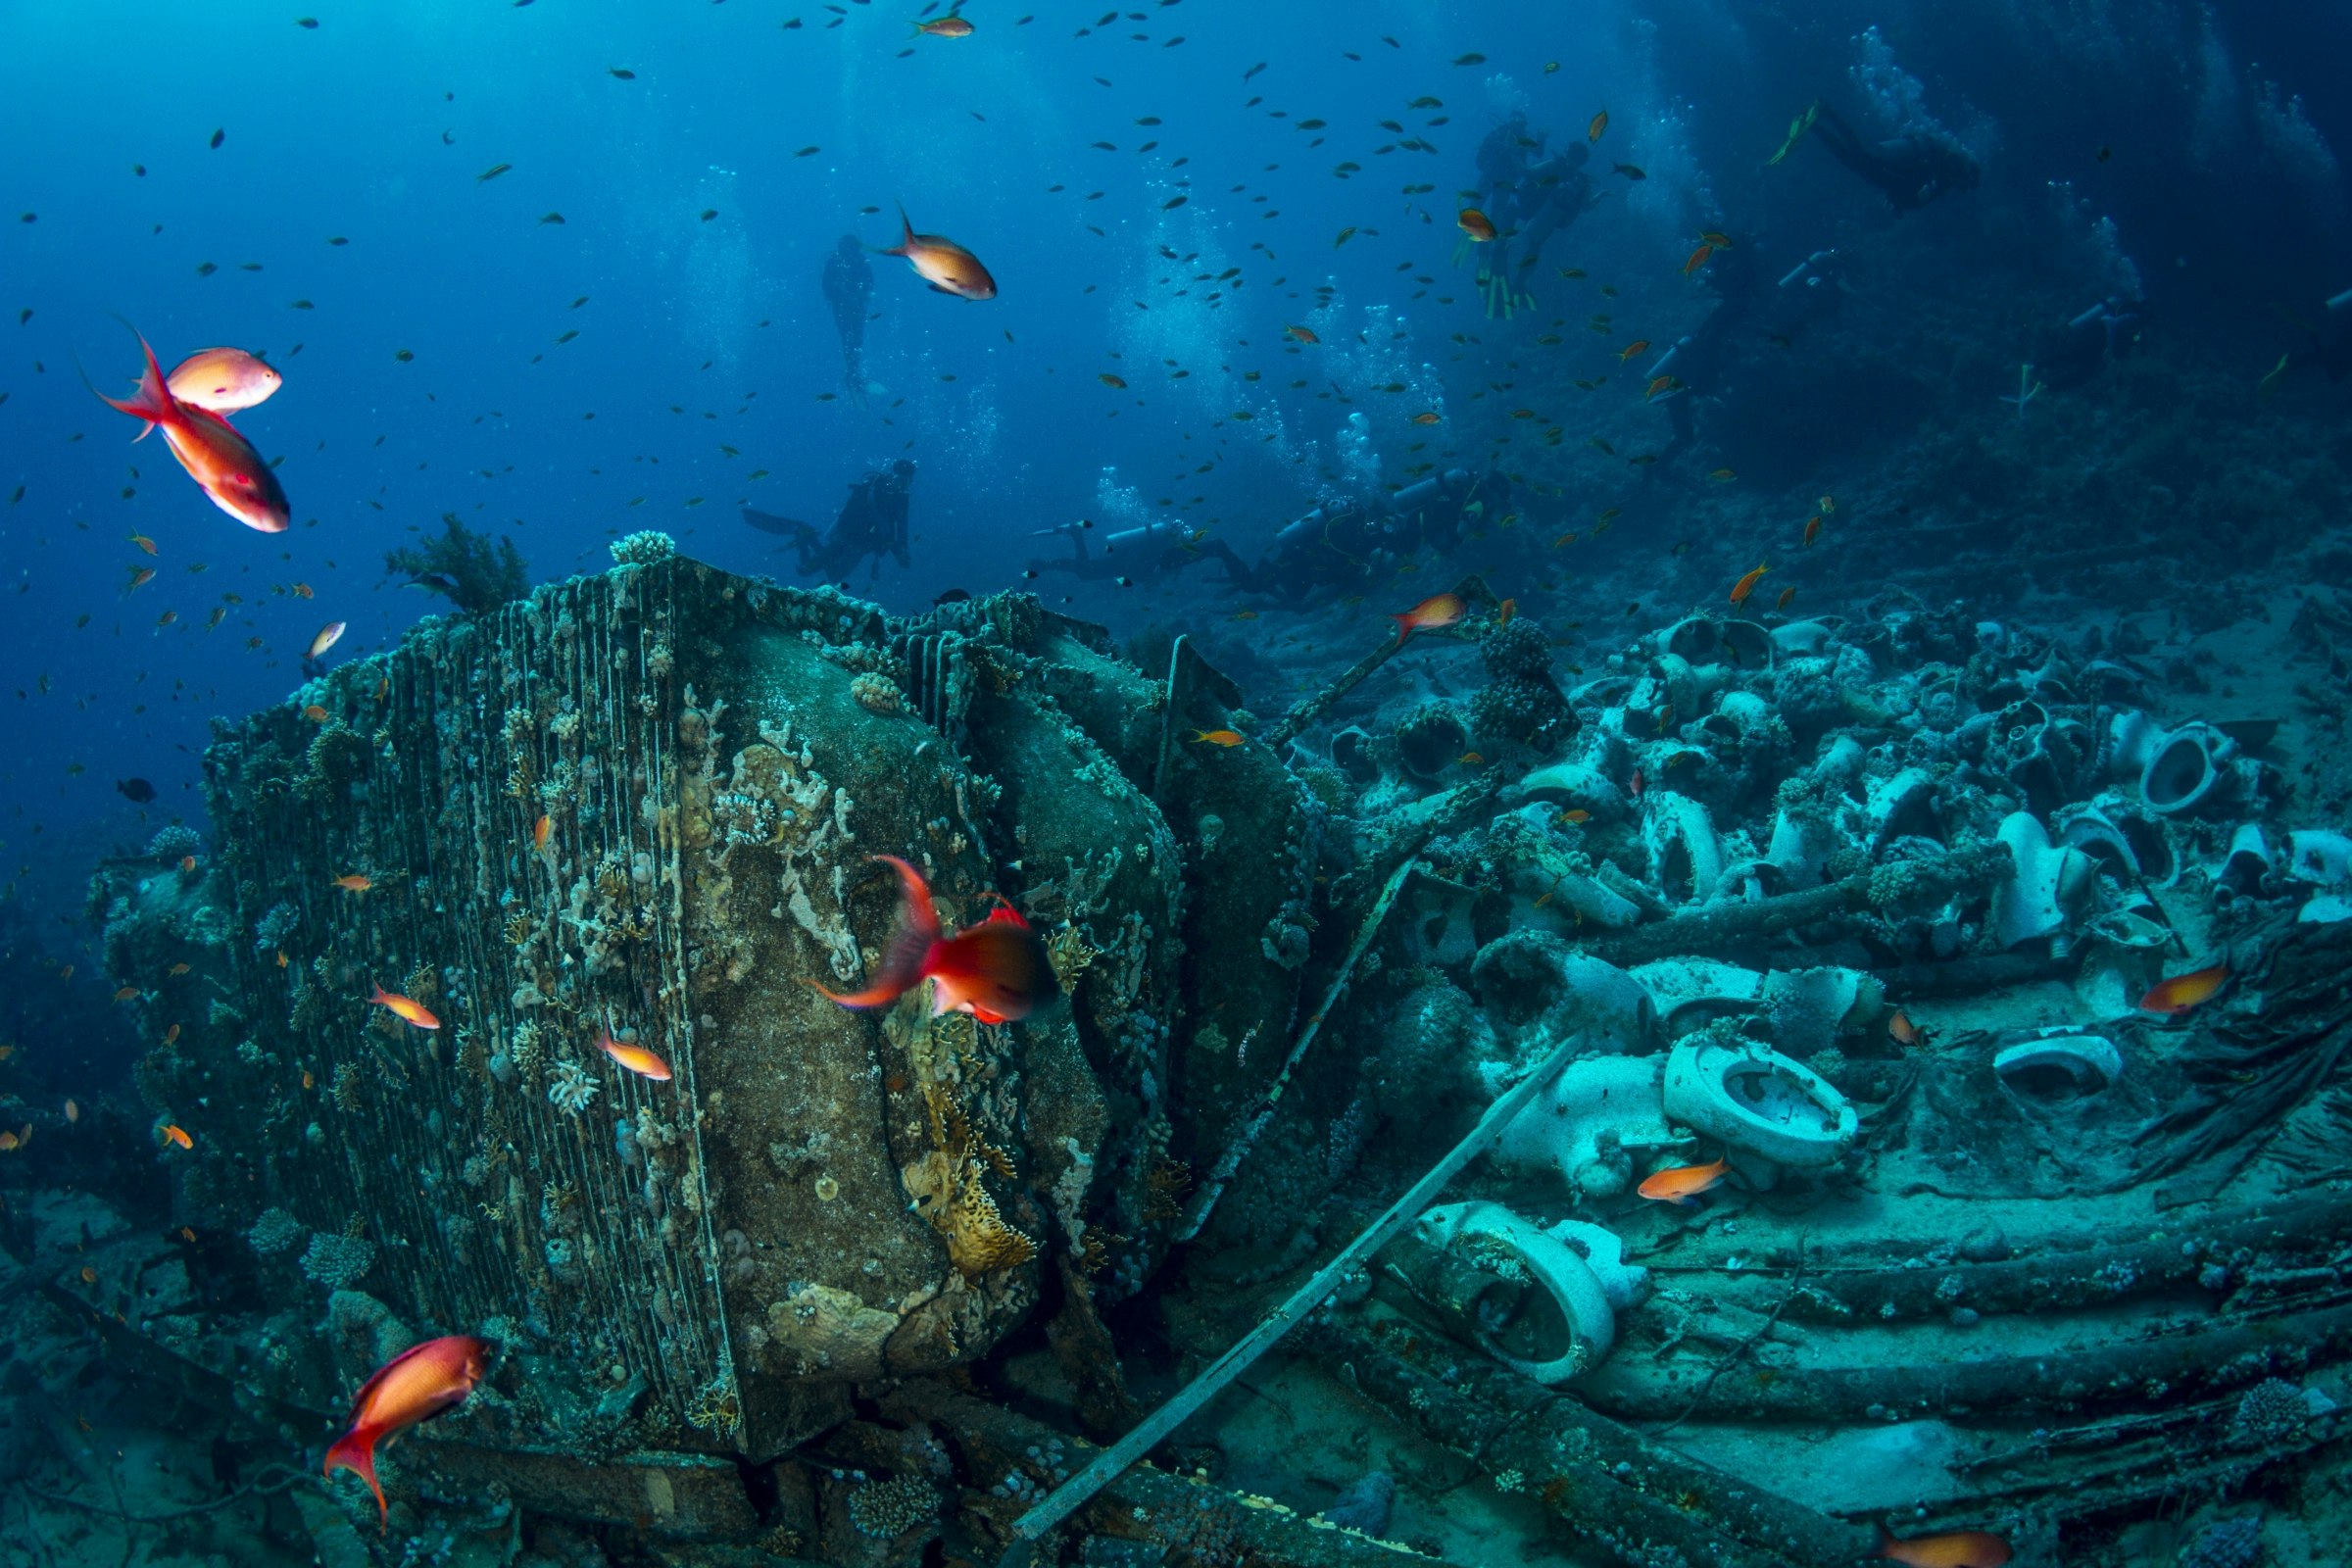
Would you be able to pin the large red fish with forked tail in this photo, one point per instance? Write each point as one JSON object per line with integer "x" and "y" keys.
{"x": 222, "y": 461}
{"x": 414, "y": 1386}
{"x": 995, "y": 970}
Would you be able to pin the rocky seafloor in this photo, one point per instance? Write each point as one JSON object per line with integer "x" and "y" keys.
{"x": 1863, "y": 905}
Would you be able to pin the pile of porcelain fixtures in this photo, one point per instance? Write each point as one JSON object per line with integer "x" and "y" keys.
{"x": 1776, "y": 759}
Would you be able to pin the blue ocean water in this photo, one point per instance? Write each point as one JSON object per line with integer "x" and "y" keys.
{"x": 555, "y": 269}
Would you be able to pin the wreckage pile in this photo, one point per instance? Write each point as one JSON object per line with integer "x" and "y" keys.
{"x": 1298, "y": 968}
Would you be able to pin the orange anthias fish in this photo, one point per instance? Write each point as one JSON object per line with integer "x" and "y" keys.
{"x": 1954, "y": 1549}
{"x": 1302, "y": 334}
{"x": 995, "y": 970}
{"x": 2182, "y": 992}
{"x": 1786, "y": 594}
{"x": 1683, "y": 1184}
{"x": 943, "y": 264}
{"x": 1600, "y": 122}
{"x": 223, "y": 463}
{"x": 1504, "y": 612}
{"x": 1116, "y": 383}
{"x": 1661, "y": 383}
{"x": 639, "y": 1060}
{"x": 414, "y": 1386}
{"x": 1747, "y": 585}
{"x": 541, "y": 830}
{"x": 405, "y": 1007}
{"x": 1475, "y": 224}
{"x": 1630, "y": 349}
{"x": 1434, "y": 613}
{"x": 174, "y": 1134}
{"x": 222, "y": 380}
{"x": 357, "y": 882}
{"x": 1904, "y": 1031}
{"x": 1812, "y": 530}
{"x": 1425, "y": 416}
{"x": 1699, "y": 259}
{"x": 1219, "y": 737}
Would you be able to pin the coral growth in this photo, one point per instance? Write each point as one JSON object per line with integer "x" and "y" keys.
{"x": 464, "y": 564}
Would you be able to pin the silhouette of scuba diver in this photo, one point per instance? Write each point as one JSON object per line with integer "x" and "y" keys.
{"x": 1530, "y": 196}
{"x": 1910, "y": 171}
{"x": 849, "y": 284}
{"x": 1153, "y": 550}
{"x": 1345, "y": 541}
{"x": 2069, "y": 354}
{"x": 2330, "y": 348}
{"x": 1750, "y": 309}
{"x": 872, "y": 522}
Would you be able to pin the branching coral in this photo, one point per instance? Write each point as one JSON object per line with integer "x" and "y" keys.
{"x": 476, "y": 574}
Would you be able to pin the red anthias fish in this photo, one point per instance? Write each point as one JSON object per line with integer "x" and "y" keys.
{"x": 223, "y": 463}
{"x": 414, "y": 1386}
{"x": 995, "y": 970}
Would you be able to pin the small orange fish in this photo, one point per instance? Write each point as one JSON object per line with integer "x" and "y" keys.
{"x": 282, "y": 958}
{"x": 1572, "y": 816}
{"x": 1425, "y": 416}
{"x": 996, "y": 970}
{"x": 1812, "y": 529}
{"x": 357, "y": 882}
{"x": 1505, "y": 610}
{"x": 1747, "y": 585}
{"x": 943, "y": 264}
{"x": 166, "y": 617}
{"x": 1786, "y": 594}
{"x": 309, "y": 1081}
{"x": 127, "y": 993}
{"x": 176, "y": 970}
{"x": 1723, "y": 475}
{"x": 1717, "y": 238}
{"x": 171, "y": 1035}
{"x": 222, "y": 380}
{"x": 1683, "y": 1184}
{"x": 10, "y": 1143}
{"x": 1660, "y": 383}
{"x": 174, "y": 1134}
{"x": 315, "y": 713}
{"x": 639, "y": 1060}
{"x": 1470, "y": 760}
{"x": 73, "y": 1111}
{"x": 1434, "y": 613}
{"x": 1302, "y": 334}
{"x": 1954, "y": 1549}
{"x": 541, "y": 831}
{"x": 143, "y": 542}
{"x": 1116, "y": 383}
{"x": 1600, "y": 122}
{"x": 142, "y": 578}
{"x": 407, "y": 1009}
{"x": 1475, "y": 224}
{"x": 1567, "y": 538}
{"x": 2182, "y": 992}
{"x": 414, "y": 1386}
{"x": 187, "y": 1234}
{"x": 1699, "y": 259}
{"x": 1242, "y": 614}
{"x": 1630, "y": 349}
{"x": 1904, "y": 1031}
{"x": 90, "y": 1275}
{"x": 187, "y": 862}
{"x": 1219, "y": 737}
{"x": 1639, "y": 785}
{"x": 301, "y": 590}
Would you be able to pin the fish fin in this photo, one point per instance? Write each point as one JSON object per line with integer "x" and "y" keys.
{"x": 153, "y": 402}
{"x": 1885, "y": 1542}
{"x": 935, "y": 289}
{"x": 1404, "y": 629}
{"x": 905, "y": 960}
{"x": 354, "y": 1452}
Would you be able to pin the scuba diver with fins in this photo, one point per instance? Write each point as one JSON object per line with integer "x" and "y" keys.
{"x": 872, "y": 522}
{"x": 1910, "y": 171}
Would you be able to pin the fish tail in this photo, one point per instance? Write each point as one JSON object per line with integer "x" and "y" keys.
{"x": 906, "y": 960}
{"x": 905, "y": 245}
{"x": 1404, "y": 629}
{"x": 1886, "y": 1539}
{"x": 354, "y": 1452}
{"x": 153, "y": 402}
